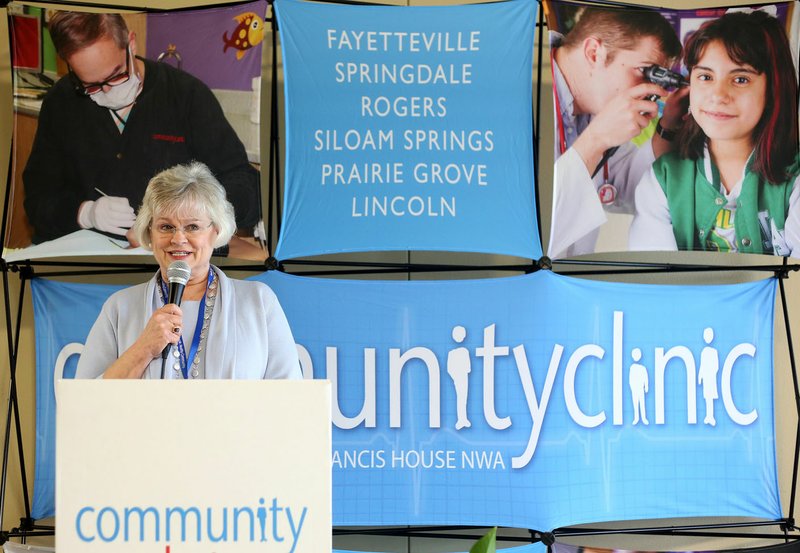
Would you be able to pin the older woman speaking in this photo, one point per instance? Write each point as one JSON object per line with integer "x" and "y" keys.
{"x": 224, "y": 328}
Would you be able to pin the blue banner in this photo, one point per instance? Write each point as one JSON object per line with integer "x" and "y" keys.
{"x": 408, "y": 128}
{"x": 63, "y": 313}
{"x": 542, "y": 401}
{"x": 535, "y": 401}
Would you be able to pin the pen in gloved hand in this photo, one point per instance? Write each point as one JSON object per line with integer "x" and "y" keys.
{"x": 111, "y": 214}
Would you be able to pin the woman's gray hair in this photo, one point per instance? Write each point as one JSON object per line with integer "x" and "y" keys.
{"x": 181, "y": 189}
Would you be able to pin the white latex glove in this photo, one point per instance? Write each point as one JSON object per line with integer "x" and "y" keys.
{"x": 259, "y": 233}
{"x": 112, "y": 214}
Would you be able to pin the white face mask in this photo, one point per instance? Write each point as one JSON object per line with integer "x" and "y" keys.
{"x": 122, "y": 95}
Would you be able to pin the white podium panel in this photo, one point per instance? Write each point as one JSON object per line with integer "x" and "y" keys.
{"x": 207, "y": 466}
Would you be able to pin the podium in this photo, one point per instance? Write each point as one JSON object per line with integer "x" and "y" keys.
{"x": 176, "y": 466}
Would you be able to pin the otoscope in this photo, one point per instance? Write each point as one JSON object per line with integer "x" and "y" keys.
{"x": 663, "y": 77}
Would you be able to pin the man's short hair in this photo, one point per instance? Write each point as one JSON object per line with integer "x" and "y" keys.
{"x": 73, "y": 31}
{"x": 622, "y": 29}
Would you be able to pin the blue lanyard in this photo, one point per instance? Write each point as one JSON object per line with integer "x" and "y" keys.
{"x": 185, "y": 360}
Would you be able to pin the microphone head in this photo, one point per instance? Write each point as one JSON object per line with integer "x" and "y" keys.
{"x": 178, "y": 272}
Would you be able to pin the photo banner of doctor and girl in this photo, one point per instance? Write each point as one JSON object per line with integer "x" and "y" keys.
{"x": 686, "y": 120}
{"x": 410, "y": 128}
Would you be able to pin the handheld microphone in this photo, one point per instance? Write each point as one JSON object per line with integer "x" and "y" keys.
{"x": 178, "y": 274}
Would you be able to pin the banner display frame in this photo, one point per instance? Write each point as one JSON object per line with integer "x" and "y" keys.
{"x": 665, "y": 266}
{"x": 422, "y": 410}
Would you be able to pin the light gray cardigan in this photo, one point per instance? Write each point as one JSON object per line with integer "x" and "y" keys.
{"x": 248, "y": 337}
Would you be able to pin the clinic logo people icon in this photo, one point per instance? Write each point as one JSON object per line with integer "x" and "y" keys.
{"x": 639, "y": 383}
{"x": 707, "y": 375}
{"x": 261, "y": 513}
{"x": 638, "y": 380}
{"x": 459, "y": 367}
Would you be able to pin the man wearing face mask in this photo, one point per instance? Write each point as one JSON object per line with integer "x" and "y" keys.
{"x": 115, "y": 121}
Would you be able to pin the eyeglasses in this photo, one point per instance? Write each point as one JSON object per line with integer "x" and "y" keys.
{"x": 88, "y": 89}
{"x": 192, "y": 229}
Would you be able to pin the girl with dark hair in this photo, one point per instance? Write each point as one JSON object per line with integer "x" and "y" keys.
{"x": 733, "y": 182}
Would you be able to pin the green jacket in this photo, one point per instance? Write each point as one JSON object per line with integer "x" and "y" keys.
{"x": 694, "y": 204}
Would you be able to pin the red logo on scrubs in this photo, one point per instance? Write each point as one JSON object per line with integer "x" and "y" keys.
{"x": 169, "y": 138}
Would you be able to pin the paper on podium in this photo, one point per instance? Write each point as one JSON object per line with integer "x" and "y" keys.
{"x": 176, "y": 466}
{"x": 11, "y": 547}
{"x": 80, "y": 242}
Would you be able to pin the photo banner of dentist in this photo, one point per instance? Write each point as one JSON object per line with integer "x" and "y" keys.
{"x": 534, "y": 401}
{"x": 620, "y": 197}
{"x": 408, "y": 128}
{"x": 78, "y": 179}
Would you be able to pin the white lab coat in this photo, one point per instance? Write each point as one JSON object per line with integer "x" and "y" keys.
{"x": 578, "y": 212}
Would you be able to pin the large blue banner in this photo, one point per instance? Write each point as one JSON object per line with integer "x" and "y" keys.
{"x": 63, "y": 313}
{"x": 408, "y": 128}
{"x": 535, "y": 401}
{"x": 542, "y": 401}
